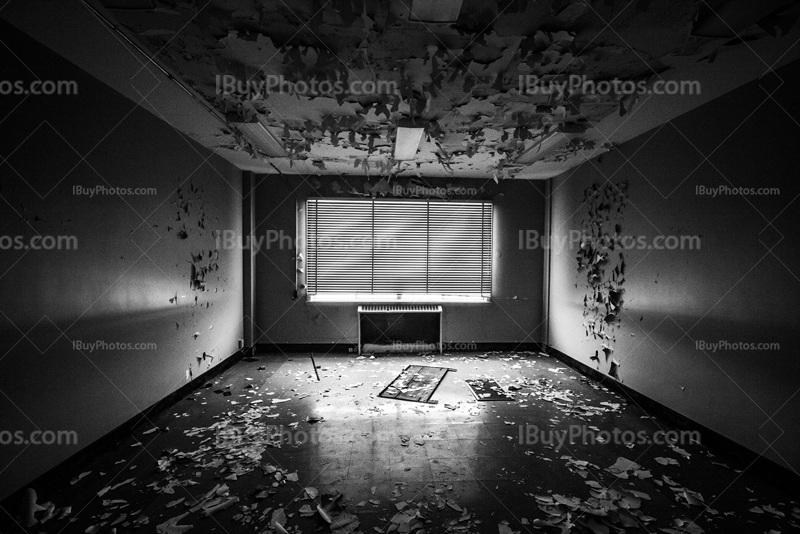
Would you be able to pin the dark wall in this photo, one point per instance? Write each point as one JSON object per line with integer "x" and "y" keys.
{"x": 687, "y": 309}
{"x": 514, "y": 315}
{"x": 139, "y": 268}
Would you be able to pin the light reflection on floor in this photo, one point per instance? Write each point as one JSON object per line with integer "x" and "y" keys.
{"x": 471, "y": 455}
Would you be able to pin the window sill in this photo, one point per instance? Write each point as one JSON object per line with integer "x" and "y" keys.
{"x": 344, "y": 298}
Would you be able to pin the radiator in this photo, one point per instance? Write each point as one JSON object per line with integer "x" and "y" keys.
{"x": 402, "y": 309}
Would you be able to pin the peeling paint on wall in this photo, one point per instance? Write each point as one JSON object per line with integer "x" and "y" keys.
{"x": 190, "y": 215}
{"x": 191, "y": 219}
{"x": 203, "y": 264}
{"x": 601, "y": 260}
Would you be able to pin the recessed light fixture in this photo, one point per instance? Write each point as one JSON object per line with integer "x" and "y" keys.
{"x": 435, "y": 10}
{"x": 257, "y": 133}
{"x": 407, "y": 143}
{"x": 543, "y": 147}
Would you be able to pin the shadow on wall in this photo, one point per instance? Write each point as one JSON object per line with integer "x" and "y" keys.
{"x": 706, "y": 322}
{"x": 114, "y": 291}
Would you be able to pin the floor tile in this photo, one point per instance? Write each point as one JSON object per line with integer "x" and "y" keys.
{"x": 489, "y": 458}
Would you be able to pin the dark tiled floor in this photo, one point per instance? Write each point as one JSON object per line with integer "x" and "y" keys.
{"x": 467, "y": 466}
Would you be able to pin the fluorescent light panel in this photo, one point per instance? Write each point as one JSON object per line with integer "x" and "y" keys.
{"x": 543, "y": 147}
{"x": 407, "y": 143}
{"x": 260, "y": 136}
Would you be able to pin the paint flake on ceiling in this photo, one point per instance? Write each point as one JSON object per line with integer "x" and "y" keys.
{"x": 461, "y": 82}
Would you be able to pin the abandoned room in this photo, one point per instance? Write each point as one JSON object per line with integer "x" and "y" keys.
{"x": 412, "y": 266}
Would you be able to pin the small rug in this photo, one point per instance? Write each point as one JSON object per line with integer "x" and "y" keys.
{"x": 416, "y": 383}
{"x": 487, "y": 389}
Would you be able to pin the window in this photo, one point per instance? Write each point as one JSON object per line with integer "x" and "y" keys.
{"x": 398, "y": 250}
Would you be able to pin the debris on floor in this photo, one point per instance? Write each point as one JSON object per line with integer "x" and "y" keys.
{"x": 487, "y": 389}
{"x": 416, "y": 383}
{"x": 334, "y": 456}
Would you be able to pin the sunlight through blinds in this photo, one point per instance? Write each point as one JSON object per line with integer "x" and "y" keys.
{"x": 399, "y": 247}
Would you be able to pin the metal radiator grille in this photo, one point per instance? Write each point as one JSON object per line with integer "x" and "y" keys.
{"x": 400, "y": 308}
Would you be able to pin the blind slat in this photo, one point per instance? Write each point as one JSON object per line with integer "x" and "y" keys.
{"x": 398, "y": 246}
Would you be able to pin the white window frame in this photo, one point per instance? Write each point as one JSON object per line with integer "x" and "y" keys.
{"x": 458, "y": 218}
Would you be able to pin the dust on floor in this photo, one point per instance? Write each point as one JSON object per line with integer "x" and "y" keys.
{"x": 268, "y": 448}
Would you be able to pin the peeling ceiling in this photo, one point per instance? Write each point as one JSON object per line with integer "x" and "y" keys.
{"x": 460, "y": 81}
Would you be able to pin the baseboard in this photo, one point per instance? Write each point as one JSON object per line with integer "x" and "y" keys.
{"x": 343, "y": 348}
{"x": 62, "y": 473}
{"x": 316, "y": 348}
{"x": 484, "y": 346}
{"x": 735, "y": 454}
